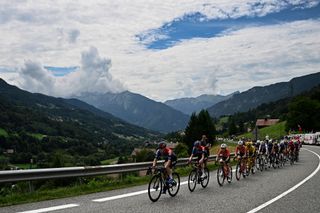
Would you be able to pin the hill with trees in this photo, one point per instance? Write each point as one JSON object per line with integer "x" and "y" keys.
{"x": 61, "y": 132}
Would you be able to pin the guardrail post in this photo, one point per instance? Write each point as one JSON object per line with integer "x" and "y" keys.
{"x": 31, "y": 188}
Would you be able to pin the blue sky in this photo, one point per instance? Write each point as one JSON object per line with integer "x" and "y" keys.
{"x": 197, "y": 25}
{"x": 160, "y": 49}
{"x": 61, "y": 71}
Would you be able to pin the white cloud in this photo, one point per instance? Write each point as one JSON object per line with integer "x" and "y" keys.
{"x": 56, "y": 33}
{"x": 92, "y": 76}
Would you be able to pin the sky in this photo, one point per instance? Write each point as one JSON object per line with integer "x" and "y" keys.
{"x": 160, "y": 49}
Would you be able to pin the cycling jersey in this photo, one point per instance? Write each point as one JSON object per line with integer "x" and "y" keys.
{"x": 224, "y": 154}
{"x": 198, "y": 151}
{"x": 263, "y": 148}
{"x": 165, "y": 153}
{"x": 240, "y": 150}
{"x": 291, "y": 146}
{"x": 251, "y": 150}
{"x": 282, "y": 147}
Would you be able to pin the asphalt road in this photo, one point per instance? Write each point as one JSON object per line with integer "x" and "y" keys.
{"x": 247, "y": 195}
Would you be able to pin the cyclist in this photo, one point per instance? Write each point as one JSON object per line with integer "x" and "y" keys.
{"x": 204, "y": 142}
{"x": 224, "y": 155}
{"x": 282, "y": 150}
{"x": 241, "y": 150}
{"x": 170, "y": 160}
{"x": 270, "y": 148}
{"x": 291, "y": 148}
{"x": 251, "y": 153}
{"x": 275, "y": 151}
{"x": 199, "y": 151}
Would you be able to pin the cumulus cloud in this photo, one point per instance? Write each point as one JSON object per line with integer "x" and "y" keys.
{"x": 92, "y": 76}
{"x": 234, "y": 61}
{"x": 36, "y": 79}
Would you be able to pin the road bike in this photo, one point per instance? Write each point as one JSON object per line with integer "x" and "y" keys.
{"x": 251, "y": 165}
{"x": 241, "y": 168}
{"x": 224, "y": 172}
{"x": 195, "y": 177}
{"x": 159, "y": 182}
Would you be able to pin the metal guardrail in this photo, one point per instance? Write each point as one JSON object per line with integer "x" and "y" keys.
{"x": 65, "y": 172}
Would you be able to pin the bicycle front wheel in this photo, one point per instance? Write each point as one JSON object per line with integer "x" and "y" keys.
{"x": 220, "y": 176}
{"x": 238, "y": 172}
{"x": 174, "y": 188}
{"x": 205, "y": 181}
{"x": 192, "y": 180}
{"x": 155, "y": 188}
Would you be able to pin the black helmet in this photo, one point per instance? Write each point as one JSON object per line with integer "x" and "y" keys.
{"x": 162, "y": 145}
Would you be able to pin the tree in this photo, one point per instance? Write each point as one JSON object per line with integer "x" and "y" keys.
{"x": 201, "y": 124}
{"x": 304, "y": 112}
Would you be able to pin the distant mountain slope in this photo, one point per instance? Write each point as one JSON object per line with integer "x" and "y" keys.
{"x": 259, "y": 95}
{"x": 190, "y": 105}
{"x": 67, "y": 123}
{"x": 138, "y": 110}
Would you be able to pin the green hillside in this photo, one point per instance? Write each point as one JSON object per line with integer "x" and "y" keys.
{"x": 275, "y": 132}
{"x": 57, "y": 132}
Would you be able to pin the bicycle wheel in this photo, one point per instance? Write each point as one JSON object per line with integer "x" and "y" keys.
{"x": 229, "y": 178}
{"x": 174, "y": 188}
{"x": 155, "y": 188}
{"x": 220, "y": 176}
{"x": 205, "y": 181}
{"x": 192, "y": 180}
{"x": 238, "y": 173}
{"x": 253, "y": 168}
{"x": 261, "y": 163}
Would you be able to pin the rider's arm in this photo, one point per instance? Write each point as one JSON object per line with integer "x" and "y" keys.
{"x": 157, "y": 156}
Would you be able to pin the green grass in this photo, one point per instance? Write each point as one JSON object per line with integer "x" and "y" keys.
{"x": 38, "y": 136}
{"x": 3, "y": 133}
{"x": 275, "y": 132}
{"x": 110, "y": 161}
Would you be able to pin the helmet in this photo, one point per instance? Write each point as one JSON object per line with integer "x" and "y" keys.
{"x": 196, "y": 143}
{"x": 240, "y": 143}
{"x": 162, "y": 145}
{"x": 223, "y": 146}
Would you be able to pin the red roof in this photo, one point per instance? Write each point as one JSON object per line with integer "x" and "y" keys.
{"x": 266, "y": 122}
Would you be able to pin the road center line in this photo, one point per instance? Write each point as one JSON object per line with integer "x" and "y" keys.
{"x": 289, "y": 190}
{"x": 49, "y": 209}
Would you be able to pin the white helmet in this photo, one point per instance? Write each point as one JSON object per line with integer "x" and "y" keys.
{"x": 223, "y": 146}
{"x": 240, "y": 143}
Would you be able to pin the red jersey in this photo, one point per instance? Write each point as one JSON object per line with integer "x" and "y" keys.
{"x": 224, "y": 153}
{"x": 241, "y": 149}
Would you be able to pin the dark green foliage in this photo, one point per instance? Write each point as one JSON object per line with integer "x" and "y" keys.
{"x": 256, "y": 96}
{"x": 145, "y": 155}
{"x": 201, "y": 124}
{"x": 38, "y": 127}
{"x": 181, "y": 150}
{"x": 305, "y": 111}
{"x": 300, "y": 110}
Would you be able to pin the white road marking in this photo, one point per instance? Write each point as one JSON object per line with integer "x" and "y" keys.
{"x": 54, "y": 208}
{"x": 289, "y": 190}
{"x": 131, "y": 194}
{"x": 127, "y": 195}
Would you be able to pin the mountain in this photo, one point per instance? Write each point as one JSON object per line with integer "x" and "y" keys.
{"x": 37, "y": 123}
{"x": 190, "y": 105}
{"x": 258, "y": 95}
{"x": 138, "y": 110}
